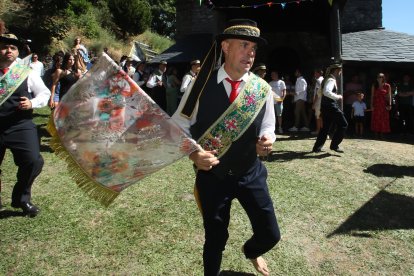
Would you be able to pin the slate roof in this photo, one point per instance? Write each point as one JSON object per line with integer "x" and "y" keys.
{"x": 194, "y": 46}
{"x": 378, "y": 45}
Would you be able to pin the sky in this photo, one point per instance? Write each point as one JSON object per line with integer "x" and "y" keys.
{"x": 398, "y": 15}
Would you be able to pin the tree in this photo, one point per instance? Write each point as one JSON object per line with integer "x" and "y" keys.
{"x": 163, "y": 13}
{"x": 132, "y": 16}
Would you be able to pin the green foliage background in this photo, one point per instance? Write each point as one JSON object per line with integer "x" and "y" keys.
{"x": 52, "y": 24}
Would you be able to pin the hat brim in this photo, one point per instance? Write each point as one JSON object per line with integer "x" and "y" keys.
{"x": 258, "y": 40}
{"x": 11, "y": 41}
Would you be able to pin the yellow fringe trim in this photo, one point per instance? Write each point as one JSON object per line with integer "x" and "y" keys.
{"x": 92, "y": 188}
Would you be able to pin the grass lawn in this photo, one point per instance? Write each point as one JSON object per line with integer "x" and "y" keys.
{"x": 339, "y": 214}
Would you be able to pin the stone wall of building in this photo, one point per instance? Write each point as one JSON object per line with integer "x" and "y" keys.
{"x": 194, "y": 19}
{"x": 361, "y": 15}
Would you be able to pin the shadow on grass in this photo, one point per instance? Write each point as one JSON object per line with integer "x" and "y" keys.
{"x": 42, "y": 132}
{"x": 390, "y": 170}
{"x": 234, "y": 273}
{"x": 385, "y": 211}
{"x": 283, "y": 156}
{"x": 4, "y": 214}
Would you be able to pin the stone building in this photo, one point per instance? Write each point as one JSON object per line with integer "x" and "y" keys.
{"x": 304, "y": 33}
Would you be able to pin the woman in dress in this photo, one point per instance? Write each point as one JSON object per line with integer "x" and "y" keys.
{"x": 380, "y": 106}
{"x": 54, "y": 73}
{"x": 68, "y": 75}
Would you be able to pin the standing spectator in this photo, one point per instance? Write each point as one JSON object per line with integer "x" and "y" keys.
{"x": 260, "y": 70}
{"x": 17, "y": 131}
{"x": 404, "y": 100}
{"x": 81, "y": 55}
{"x": 358, "y": 114}
{"x": 129, "y": 67}
{"x": 279, "y": 93}
{"x": 350, "y": 96}
{"x": 67, "y": 77}
{"x": 156, "y": 83}
{"x": 300, "y": 103}
{"x": 37, "y": 65}
{"x": 211, "y": 117}
{"x": 332, "y": 115}
{"x": 380, "y": 106}
{"x": 172, "y": 87}
{"x": 317, "y": 97}
{"x": 139, "y": 76}
{"x": 50, "y": 75}
{"x": 190, "y": 76}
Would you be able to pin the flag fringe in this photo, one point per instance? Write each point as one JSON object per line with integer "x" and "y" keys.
{"x": 93, "y": 189}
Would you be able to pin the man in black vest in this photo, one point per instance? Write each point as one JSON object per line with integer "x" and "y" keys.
{"x": 17, "y": 131}
{"x": 237, "y": 171}
{"x": 156, "y": 83}
{"x": 332, "y": 115}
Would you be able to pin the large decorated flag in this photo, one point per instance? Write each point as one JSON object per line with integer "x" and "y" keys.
{"x": 112, "y": 134}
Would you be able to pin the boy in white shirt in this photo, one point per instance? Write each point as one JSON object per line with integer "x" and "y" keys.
{"x": 358, "y": 114}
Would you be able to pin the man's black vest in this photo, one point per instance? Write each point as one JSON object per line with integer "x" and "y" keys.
{"x": 213, "y": 102}
{"x": 326, "y": 101}
{"x": 9, "y": 110}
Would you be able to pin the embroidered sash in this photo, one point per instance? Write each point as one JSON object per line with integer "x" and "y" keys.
{"x": 237, "y": 118}
{"x": 12, "y": 80}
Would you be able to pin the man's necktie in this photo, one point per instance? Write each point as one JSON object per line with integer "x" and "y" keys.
{"x": 5, "y": 70}
{"x": 234, "y": 86}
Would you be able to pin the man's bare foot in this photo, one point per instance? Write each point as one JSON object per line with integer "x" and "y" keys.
{"x": 260, "y": 265}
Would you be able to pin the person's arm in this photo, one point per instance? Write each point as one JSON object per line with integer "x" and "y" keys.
{"x": 55, "y": 80}
{"x": 203, "y": 160}
{"x": 267, "y": 127}
{"x": 186, "y": 81}
{"x": 353, "y": 111}
{"x": 389, "y": 97}
{"x": 372, "y": 97}
{"x": 151, "y": 83}
{"x": 41, "y": 94}
{"x": 328, "y": 88}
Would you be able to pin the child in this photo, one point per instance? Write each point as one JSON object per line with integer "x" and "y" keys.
{"x": 358, "y": 114}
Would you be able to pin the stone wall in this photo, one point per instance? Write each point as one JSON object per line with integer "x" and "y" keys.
{"x": 361, "y": 15}
{"x": 194, "y": 19}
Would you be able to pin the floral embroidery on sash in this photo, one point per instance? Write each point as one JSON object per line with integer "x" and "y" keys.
{"x": 237, "y": 118}
{"x": 12, "y": 80}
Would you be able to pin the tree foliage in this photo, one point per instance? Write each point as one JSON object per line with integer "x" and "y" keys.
{"x": 133, "y": 16}
{"x": 164, "y": 20}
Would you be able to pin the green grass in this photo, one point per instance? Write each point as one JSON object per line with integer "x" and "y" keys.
{"x": 336, "y": 217}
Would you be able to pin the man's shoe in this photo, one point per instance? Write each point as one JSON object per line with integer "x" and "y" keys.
{"x": 339, "y": 150}
{"x": 304, "y": 129}
{"x": 293, "y": 129}
{"x": 280, "y": 130}
{"x": 316, "y": 150}
{"x": 29, "y": 209}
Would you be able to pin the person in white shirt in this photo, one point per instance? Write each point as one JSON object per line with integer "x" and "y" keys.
{"x": 157, "y": 83}
{"x": 279, "y": 93}
{"x": 230, "y": 113}
{"x": 17, "y": 130}
{"x": 317, "y": 97}
{"x": 37, "y": 65}
{"x": 332, "y": 115}
{"x": 300, "y": 103}
{"x": 190, "y": 76}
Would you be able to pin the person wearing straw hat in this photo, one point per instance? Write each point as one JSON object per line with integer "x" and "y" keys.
{"x": 22, "y": 90}
{"x": 332, "y": 115}
{"x": 195, "y": 68}
{"x": 260, "y": 70}
{"x": 229, "y": 111}
{"x": 157, "y": 82}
